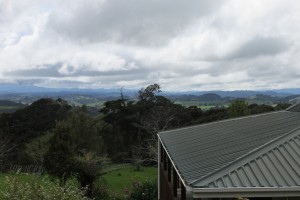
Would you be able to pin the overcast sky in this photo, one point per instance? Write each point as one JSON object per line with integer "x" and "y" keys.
{"x": 179, "y": 44}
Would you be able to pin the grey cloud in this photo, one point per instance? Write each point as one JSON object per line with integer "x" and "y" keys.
{"x": 132, "y": 22}
{"x": 175, "y": 43}
{"x": 48, "y": 71}
{"x": 49, "y": 75}
{"x": 260, "y": 46}
{"x": 222, "y": 66}
{"x": 272, "y": 71}
{"x": 61, "y": 82}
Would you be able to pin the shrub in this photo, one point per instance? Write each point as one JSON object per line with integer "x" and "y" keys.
{"x": 34, "y": 190}
{"x": 120, "y": 157}
{"x": 100, "y": 189}
{"x": 143, "y": 190}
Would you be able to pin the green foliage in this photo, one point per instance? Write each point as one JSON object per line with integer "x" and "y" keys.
{"x": 282, "y": 106}
{"x": 256, "y": 109}
{"x": 148, "y": 94}
{"x": 60, "y": 158}
{"x": 74, "y": 149}
{"x": 119, "y": 157}
{"x": 37, "y": 148}
{"x": 238, "y": 108}
{"x": 32, "y": 189}
{"x": 146, "y": 190}
{"x": 88, "y": 168}
{"x": 137, "y": 123}
{"x": 31, "y": 122}
{"x": 100, "y": 189}
{"x": 6, "y": 147}
{"x": 211, "y": 115}
{"x": 37, "y": 118}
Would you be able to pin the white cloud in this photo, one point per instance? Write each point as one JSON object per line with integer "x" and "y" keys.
{"x": 183, "y": 45}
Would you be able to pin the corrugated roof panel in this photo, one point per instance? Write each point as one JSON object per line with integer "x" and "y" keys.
{"x": 267, "y": 177}
{"x": 278, "y": 166}
{"x": 219, "y": 183}
{"x": 244, "y": 177}
{"x": 204, "y": 149}
{"x": 254, "y": 181}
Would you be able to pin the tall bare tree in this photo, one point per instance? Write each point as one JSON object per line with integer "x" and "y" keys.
{"x": 6, "y": 148}
{"x": 158, "y": 119}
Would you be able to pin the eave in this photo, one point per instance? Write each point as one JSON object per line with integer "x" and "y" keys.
{"x": 246, "y": 192}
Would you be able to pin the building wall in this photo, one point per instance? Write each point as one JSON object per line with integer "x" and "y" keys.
{"x": 165, "y": 189}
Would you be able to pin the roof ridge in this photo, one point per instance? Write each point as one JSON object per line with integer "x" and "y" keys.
{"x": 225, "y": 120}
{"x": 246, "y": 157}
{"x": 290, "y": 108}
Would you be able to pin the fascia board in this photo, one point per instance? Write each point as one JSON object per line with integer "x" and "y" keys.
{"x": 246, "y": 192}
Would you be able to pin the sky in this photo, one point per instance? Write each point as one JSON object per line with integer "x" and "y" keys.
{"x": 182, "y": 45}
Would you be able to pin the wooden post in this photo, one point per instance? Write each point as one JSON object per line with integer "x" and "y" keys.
{"x": 169, "y": 170}
{"x": 183, "y": 192}
{"x": 175, "y": 182}
{"x": 165, "y": 160}
{"x": 161, "y": 153}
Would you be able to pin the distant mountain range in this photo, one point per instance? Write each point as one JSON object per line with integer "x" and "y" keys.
{"x": 23, "y": 89}
{"x": 114, "y": 92}
{"x": 97, "y": 97}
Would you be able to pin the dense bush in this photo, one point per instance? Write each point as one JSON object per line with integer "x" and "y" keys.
{"x": 35, "y": 190}
{"x": 75, "y": 148}
{"x": 143, "y": 190}
{"x": 146, "y": 190}
{"x": 101, "y": 191}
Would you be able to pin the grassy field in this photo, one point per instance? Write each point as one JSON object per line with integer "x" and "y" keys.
{"x": 119, "y": 179}
{"x": 7, "y": 107}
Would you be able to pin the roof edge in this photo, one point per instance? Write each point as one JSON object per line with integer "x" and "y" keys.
{"x": 246, "y": 192}
{"x": 292, "y": 107}
{"x": 224, "y": 120}
{"x": 175, "y": 167}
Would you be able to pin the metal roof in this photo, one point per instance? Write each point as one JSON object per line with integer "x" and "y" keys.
{"x": 294, "y": 108}
{"x": 230, "y": 153}
{"x": 274, "y": 165}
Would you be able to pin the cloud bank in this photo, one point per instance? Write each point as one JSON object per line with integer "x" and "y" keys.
{"x": 182, "y": 45}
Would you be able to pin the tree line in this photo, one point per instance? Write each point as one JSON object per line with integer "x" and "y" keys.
{"x": 66, "y": 140}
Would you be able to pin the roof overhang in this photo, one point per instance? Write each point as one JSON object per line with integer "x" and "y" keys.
{"x": 246, "y": 192}
{"x": 175, "y": 167}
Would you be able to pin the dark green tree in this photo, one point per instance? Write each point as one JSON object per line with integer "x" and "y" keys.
{"x": 31, "y": 122}
{"x": 148, "y": 93}
{"x": 6, "y": 147}
{"x": 75, "y": 148}
{"x": 256, "y": 109}
{"x": 37, "y": 148}
{"x": 134, "y": 124}
{"x": 238, "y": 108}
{"x": 59, "y": 161}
